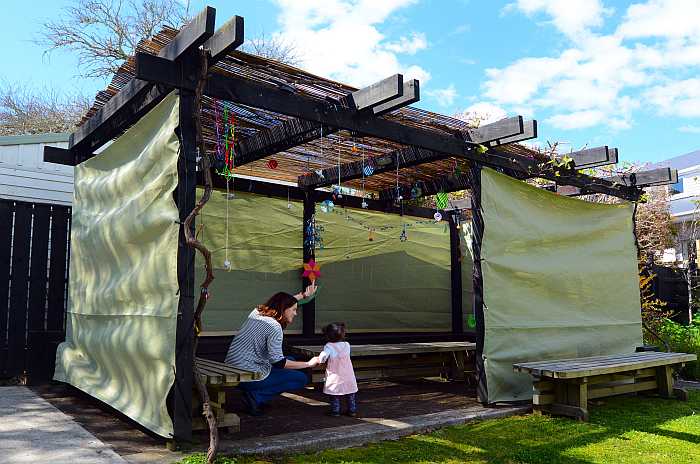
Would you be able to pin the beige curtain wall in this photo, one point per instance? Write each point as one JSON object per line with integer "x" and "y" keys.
{"x": 120, "y": 341}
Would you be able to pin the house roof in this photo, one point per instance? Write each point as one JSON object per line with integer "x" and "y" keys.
{"x": 34, "y": 138}
{"x": 681, "y": 162}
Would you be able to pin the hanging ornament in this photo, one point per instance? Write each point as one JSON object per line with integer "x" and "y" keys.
{"x": 368, "y": 170}
{"x": 272, "y": 164}
{"x": 227, "y": 265}
{"x": 336, "y": 193}
{"x": 327, "y": 206}
{"x": 416, "y": 192}
{"x": 312, "y": 270}
{"x": 364, "y": 204}
{"x": 371, "y": 235}
{"x": 319, "y": 173}
{"x": 471, "y": 321}
{"x": 441, "y": 200}
{"x": 437, "y": 216}
{"x": 403, "y": 237}
{"x": 354, "y": 147}
{"x": 481, "y": 149}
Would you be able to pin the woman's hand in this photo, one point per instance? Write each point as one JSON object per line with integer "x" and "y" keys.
{"x": 310, "y": 290}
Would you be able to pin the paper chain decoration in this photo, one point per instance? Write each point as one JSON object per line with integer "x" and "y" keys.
{"x": 312, "y": 270}
{"x": 226, "y": 129}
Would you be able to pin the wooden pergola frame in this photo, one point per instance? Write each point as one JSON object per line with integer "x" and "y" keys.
{"x": 360, "y": 112}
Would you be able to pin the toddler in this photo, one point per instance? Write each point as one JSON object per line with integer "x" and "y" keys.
{"x": 340, "y": 377}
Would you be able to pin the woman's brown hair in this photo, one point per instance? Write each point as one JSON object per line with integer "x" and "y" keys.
{"x": 275, "y": 306}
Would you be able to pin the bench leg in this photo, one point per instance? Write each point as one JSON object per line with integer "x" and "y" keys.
{"x": 664, "y": 381}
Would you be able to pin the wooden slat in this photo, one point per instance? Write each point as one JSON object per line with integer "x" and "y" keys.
{"x": 6, "y": 213}
{"x": 226, "y": 39}
{"x": 58, "y": 266}
{"x": 58, "y": 155}
{"x": 529, "y": 132}
{"x": 394, "y": 349}
{"x": 603, "y": 365}
{"x": 232, "y": 374}
{"x": 39, "y": 366}
{"x": 601, "y": 392}
{"x": 18, "y": 288}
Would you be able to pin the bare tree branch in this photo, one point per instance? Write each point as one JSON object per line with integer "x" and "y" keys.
{"x": 104, "y": 33}
{"x": 273, "y": 47}
{"x": 32, "y": 111}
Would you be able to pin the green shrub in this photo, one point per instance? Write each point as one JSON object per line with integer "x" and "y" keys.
{"x": 684, "y": 339}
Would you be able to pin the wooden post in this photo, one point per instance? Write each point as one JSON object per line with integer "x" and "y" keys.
{"x": 309, "y": 309}
{"x": 184, "y": 344}
{"x": 456, "y": 274}
{"x": 477, "y": 234}
{"x": 664, "y": 380}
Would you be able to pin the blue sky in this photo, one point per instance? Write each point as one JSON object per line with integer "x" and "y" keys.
{"x": 592, "y": 72}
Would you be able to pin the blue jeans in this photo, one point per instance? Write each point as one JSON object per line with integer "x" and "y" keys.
{"x": 280, "y": 380}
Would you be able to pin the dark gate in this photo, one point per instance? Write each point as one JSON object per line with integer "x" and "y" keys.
{"x": 34, "y": 244}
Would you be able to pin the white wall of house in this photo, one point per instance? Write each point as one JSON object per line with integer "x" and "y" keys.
{"x": 24, "y": 175}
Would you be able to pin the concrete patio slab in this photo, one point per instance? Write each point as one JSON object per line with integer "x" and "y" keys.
{"x": 33, "y": 431}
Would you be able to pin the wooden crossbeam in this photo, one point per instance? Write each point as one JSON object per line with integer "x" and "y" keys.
{"x": 592, "y": 157}
{"x": 227, "y": 38}
{"x": 59, "y": 156}
{"x": 503, "y": 129}
{"x": 654, "y": 177}
{"x": 378, "y": 93}
{"x": 529, "y": 132}
{"x": 138, "y": 96}
{"x": 402, "y": 158}
{"x": 281, "y": 137}
{"x": 411, "y": 94}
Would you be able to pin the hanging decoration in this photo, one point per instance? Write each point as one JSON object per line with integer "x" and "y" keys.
{"x": 437, "y": 216}
{"x": 416, "y": 192}
{"x": 225, "y": 140}
{"x": 441, "y": 200}
{"x": 364, "y": 204}
{"x": 312, "y": 270}
{"x": 471, "y": 321}
{"x": 403, "y": 237}
{"x": 368, "y": 170}
{"x": 272, "y": 164}
{"x": 314, "y": 235}
{"x": 371, "y": 235}
{"x": 327, "y": 206}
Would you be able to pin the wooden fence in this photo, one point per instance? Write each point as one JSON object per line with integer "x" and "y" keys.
{"x": 34, "y": 244}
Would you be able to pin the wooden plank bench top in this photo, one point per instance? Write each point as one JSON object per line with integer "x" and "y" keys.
{"x": 216, "y": 373}
{"x": 392, "y": 349}
{"x": 599, "y": 365}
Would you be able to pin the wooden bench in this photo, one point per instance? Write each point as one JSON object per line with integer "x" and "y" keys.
{"x": 564, "y": 386}
{"x": 218, "y": 377}
{"x": 436, "y": 359}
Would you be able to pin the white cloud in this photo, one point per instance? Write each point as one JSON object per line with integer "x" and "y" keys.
{"x": 482, "y": 112}
{"x": 571, "y": 17}
{"x": 661, "y": 18}
{"x": 690, "y": 129}
{"x": 342, "y": 39}
{"x": 681, "y": 98}
{"x": 444, "y": 97}
{"x": 598, "y": 80}
{"x": 409, "y": 45}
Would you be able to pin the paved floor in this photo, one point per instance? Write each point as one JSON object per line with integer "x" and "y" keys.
{"x": 33, "y": 431}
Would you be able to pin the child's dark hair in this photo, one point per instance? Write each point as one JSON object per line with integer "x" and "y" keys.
{"x": 335, "y": 332}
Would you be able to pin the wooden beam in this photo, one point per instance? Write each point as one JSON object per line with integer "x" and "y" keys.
{"x": 184, "y": 338}
{"x": 508, "y": 127}
{"x": 529, "y": 132}
{"x": 226, "y": 39}
{"x": 59, "y": 156}
{"x": 251, "y": 93}
{"x": 411, "y": 94}
{"x": 309, "y": 251}
{"x": 474, "y": 176}
{"x": 378, "y": 93}
{"x": 456, "y": 274}
{"x": 654, "y": 177}
{"x": 592, "y": 157}
{"x": 404, "y": 157}
{"x": 138, "y": 96}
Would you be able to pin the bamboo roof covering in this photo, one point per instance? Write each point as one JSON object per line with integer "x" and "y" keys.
{"x": 323, "y": 152}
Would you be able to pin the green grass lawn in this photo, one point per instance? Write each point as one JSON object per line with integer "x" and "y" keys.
{"x": 622, "y": 430}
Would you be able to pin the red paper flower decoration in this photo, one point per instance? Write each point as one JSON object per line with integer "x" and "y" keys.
{"x": 312, "y": 270}
{"x": 272, "y": 164}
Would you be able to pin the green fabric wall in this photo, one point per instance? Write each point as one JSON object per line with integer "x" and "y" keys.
{"x": 560, "y": 280}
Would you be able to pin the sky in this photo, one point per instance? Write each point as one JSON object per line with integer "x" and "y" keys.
{"x": 592, "y": 72}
